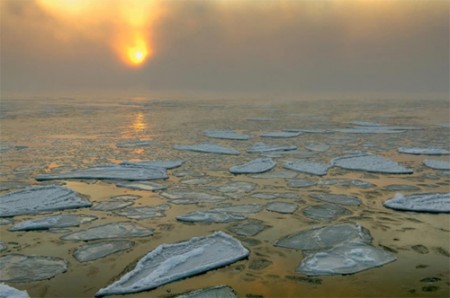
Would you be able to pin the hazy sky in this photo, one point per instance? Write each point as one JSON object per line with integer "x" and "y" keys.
{"x": 262, "y": 47}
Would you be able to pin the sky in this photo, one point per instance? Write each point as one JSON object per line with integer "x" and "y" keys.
{"x": 257, "y": 48}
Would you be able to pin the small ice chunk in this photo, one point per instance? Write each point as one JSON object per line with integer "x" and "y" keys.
{"x": 250, "y": 228}
{"x": 111, "y": 205}
{"x": 437, "y": 164}
{"x": 170, "y": 262}
{"x": 165, "y": 164}
{"x": 420, "y": 202}
{"x": 111, "y": 230}
{"x": 325, "y": 237}
{"x": 259, "y": 165}
{"x": 3, "y": 246}
{"x": 142, "y": 185}
{"x": 40, "y": 199}
{"x": 423, "y": 151}
{"x": 308, "y": 167}
{"x": 94, "y": 251}
{"x": 282, "y": 207}
{"x": 346, "y": 259}
{"x": 227, "y": 134}
{"x": 138, "y": 143}
{"x": 261, "y": 147}
{"x": 370, "y": 163}
{"x": 51, "y": 222}
{"x": 111, "y": 172}
{"x": 190, "y": 197}
{"x": 213, "y": 292}
{"x": 279, "y": 134}
{"x": 144, "y": 212}
{"x": 325, "y": 212}
{"x": 340, "y": 199}
{"x": 10, "y": 292}
{"x": 317, "y": 147}
{"x": 300, "y": 183}
{"x": 207, "y": 148}
{"x": 211, "y": 216}
{"x": 20, "y": 268}
{"x": 237, "y": 187}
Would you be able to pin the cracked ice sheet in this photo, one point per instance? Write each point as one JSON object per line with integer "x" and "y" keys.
{"x": 370, "y": 163}
{"x": 420, "y": 202}
{"x": 40, "y": 199}
{"x": 170, "y": 262}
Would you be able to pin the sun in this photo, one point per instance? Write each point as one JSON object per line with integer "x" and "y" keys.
{"x": 137, "y": 53}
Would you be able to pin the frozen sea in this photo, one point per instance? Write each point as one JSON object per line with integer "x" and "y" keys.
{"x": 57, "y": 136}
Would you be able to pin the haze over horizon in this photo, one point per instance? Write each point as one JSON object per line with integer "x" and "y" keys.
{"x": 257, "y": 48}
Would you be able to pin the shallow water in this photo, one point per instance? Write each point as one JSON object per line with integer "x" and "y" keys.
{"x": 67, "y": 134}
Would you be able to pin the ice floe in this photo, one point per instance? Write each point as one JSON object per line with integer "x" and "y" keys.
{"x": 144, "y": 212}
{"x": 21, "y": 268}
{"x": 227, "y": 134}
{"x": 237, "y": 187}
{"x": 345, "y": 259}
{"x": 423, "y": 151}
{"x": 170, "y": 262}
{"x": 210, "y": 216}
{"x": 300, "y": 183}
{"x": 337, "y": 199}
{"x": 401, "y": 187}
{"x": 308, "y": 167}
{"x": 111, "y": 172}
{"x": 317, "y": 147}
{"x": 240, "y": 209}
{"x": 8, "y": 148}
{"x": 325, "y": 212}
{"x": 346, "y": 183}
{"x": 371, "y": 130}
{"x": 250, "y": 228}
{"x": 207, "y": 148}
{"x": 282, "y": 207}
{"x": 190, "y": 197}
{"x": 165, "y": 164}
{"x": 420, "y": 202}
{"x": 259, "y": 165}
{"x": 94, "y": 251}
{"x": 307, "y": 130}
{"x": 370, "y": 163}
{"x": 10, "y": 292}
{"x": 3, "y": 246}
{"x": 142, "y": 185}
{"x": 111, "y": 230}
{"x": 281, "y": 174}
{"x": 40, "y": 199}
{"x": 279, "y": 134}
{"x": 53, "y": 221}
{"x": 274, "y": 195}
{"x": 111, "y": 205}
{"x": 213, "y": 292}
{"x": 437, "y": 164}
{"x": 262, "y": 147}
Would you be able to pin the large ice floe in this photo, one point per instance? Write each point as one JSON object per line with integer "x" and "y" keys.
{"x": 170, "y": 262}
{"x": 227, "y": 134}
{"x": 20, "y": 268}
{"x": 279, "y": 134}
{"x": 308, "y": 167}
{"x": 325, "y": 212}
{"x": 423, "y": 151}
{"x": 94, "y": 251}
{"x": 370, "y": 163}
{"x": 111, "y": 172}
{"x": 259, "y": 165}
{"x": 190, "y": 197}
{"x": 213, "y": 292}
{"x": 50, "y": 222}
{"x": 207, "y": 148}
{"x": 10, "y": 292}
{"x": 420, "y": 202}
{"x": 108, "y": 231}
{"x": 337, "y": 199}
{"x": 165, "y": 164}
{"x": 40, "y": 199}
{"x": 437, "y": 164}
{"x": 261, "y": 147}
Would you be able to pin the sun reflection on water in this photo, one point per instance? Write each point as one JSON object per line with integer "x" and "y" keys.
{"x": 138, "y": 125}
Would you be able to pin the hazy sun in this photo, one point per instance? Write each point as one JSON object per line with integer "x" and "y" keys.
{"x": 137, "y": 53}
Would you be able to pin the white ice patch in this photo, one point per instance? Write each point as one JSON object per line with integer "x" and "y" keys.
{"x": 10, "y": 292}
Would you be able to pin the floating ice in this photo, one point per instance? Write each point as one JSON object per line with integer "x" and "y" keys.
{"x": 211, "y": 216}
{"x": 227, "y": 134}
{"x": 213, "y": 292}
{"x": 325, "y": 237}
{"x": 111, "y": 230}
{"x": 420, "y": 202}
{"x": 99, "y": 250}
{"x": 261, "y": 147}
{"x": 144, "y": 212}
{"x": 8, "y": 148}
{"x": 273, "y": 195}
{"x": 165, "y": 164}
{"x": 40, "y": 199}
{"x": 279, "y": 134}
{"x": 113, "y": 172}
{"x": 111, "y": 205}
{"x": 325, "y": 211}
{"x": 250, "y": 228}
{"x": 282, "y": 207}
{"x": 3, "y": 246}
{"x": 20, "y": 268}
{"x": 371, "y": 130}
{"x": 370, "y": 163}
{"x": 5, "y": 221}
{"x": 50, "y": 222}
{"x": 317, "y": 147}
{"x": 128, "y": 144}
{"x": 307, "y": 130}
{"x": 237, "y": 187}
{"x": 189, "y": 197}
{"x": 282, "y": 174}
{"x": 142, "y": 185}
{"x": 423, "y": 151}
{"x": 207, "y": 148}
{"x": 437, "y": 164}
{"x": 401, "y": 187}
{"x": 308, "y": 167}
{"x": 259, "y": 165}
{"x": 347, "y": 183}
{"x": 10, "y": 292}
{"x": 300, "y": 183}
{"x": 241, "y": 209}
{"x": 170, "y": 262}
{"x": 346, "y": 259}
{"x": 197, "y": 181}
{"x": 337, "y": 199}
{"x": 366, "y": 123}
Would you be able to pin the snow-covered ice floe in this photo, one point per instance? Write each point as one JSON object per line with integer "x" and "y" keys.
{"x": 437, "y": 164}
{"x": 10, "y": 292}
{"x": 420, "y": 202}
{"x": 370, "y": 163}
{"x": 308, "y": 167}
{"x": 53, "y": 221}
{"x": 111, "y": 172}
{"x": 40, "y": 199}
{"x": 213, "y": 292}
{"x": 170, "y": 262}
{"x": 423, "y": 151}
{"x": 111, "y": 230}
{"x": 261, "y": 147}
{"x": 207, "y": 148}
{"x": 94, "y": 251}
{"x": 259, "y": 165}
{"x": 227, "y": 134}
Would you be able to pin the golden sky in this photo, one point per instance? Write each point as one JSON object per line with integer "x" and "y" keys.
{"x": 243, "y": 46}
